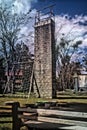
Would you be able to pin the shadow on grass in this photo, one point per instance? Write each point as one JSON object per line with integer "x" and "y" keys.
{"x": 5, "y": 128}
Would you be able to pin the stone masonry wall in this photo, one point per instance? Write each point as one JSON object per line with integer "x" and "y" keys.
{"x": 44, "y": 62}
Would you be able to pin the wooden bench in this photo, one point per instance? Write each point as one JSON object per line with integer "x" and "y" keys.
{"x": 45, "y": 119}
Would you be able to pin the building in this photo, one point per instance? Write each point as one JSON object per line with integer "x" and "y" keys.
{"x": 82, "y": 81}
{"x": 44, "y": 61}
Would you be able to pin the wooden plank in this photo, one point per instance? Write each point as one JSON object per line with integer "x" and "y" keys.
{"x": 46, "y": 112}
{"x": 41, "y": 125}
{"x": 63, "y": 121}
{"x": 30, "y": 110}
{"x": 5, "y": 122}
{"x": 10, "y": 103}
{"x": 5, "y": 108}
{"x": 27, "y": 117}
{"x": 30, "y": 116}
{"x": 5, "y": 114}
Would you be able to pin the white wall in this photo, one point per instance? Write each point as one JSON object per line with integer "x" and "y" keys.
{"x": 83, "y": 81}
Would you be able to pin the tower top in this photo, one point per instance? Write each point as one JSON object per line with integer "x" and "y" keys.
{"x": 44, "y": 13}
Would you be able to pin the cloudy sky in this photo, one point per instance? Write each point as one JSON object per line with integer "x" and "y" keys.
{"x": 71, "y": 7}
{"x": 70, "y": 16}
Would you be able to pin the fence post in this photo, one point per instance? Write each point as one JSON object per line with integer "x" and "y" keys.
{"x": 16, "y": 120}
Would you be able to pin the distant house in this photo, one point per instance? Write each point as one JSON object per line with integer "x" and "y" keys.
{"x": 82, "y": 78}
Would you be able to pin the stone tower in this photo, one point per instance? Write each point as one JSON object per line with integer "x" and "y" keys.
{"x": 44, "y": 62}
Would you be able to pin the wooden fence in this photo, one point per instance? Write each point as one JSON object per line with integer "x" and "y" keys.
{"x": 43, "y": 119}
{"x": 5, "y": 117}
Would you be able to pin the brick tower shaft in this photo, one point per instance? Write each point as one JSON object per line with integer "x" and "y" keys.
{"x": 44, "y": 62}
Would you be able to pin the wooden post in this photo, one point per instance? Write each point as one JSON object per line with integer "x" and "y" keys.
{"x": 76, "y": 85}
{"x": 16, "y": 121}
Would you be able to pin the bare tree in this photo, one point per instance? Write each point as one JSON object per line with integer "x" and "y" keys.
{"x": 10, "y": 26}
{"x": 64, "y": 51}
{"x": 85, "y": 59}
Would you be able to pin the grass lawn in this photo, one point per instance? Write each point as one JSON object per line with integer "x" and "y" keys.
{"x": 62, "y": 98}
{"x": 67, "y": 97}
{"x": 34, "y": 100}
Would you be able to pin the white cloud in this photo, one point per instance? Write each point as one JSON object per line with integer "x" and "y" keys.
{"x": 84, "y": 42}
{"x": 22, "y": 6}
{"x": 6, "y": 1}
{"x": 71, "y": 28}
{"x": 19, "y": 5}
